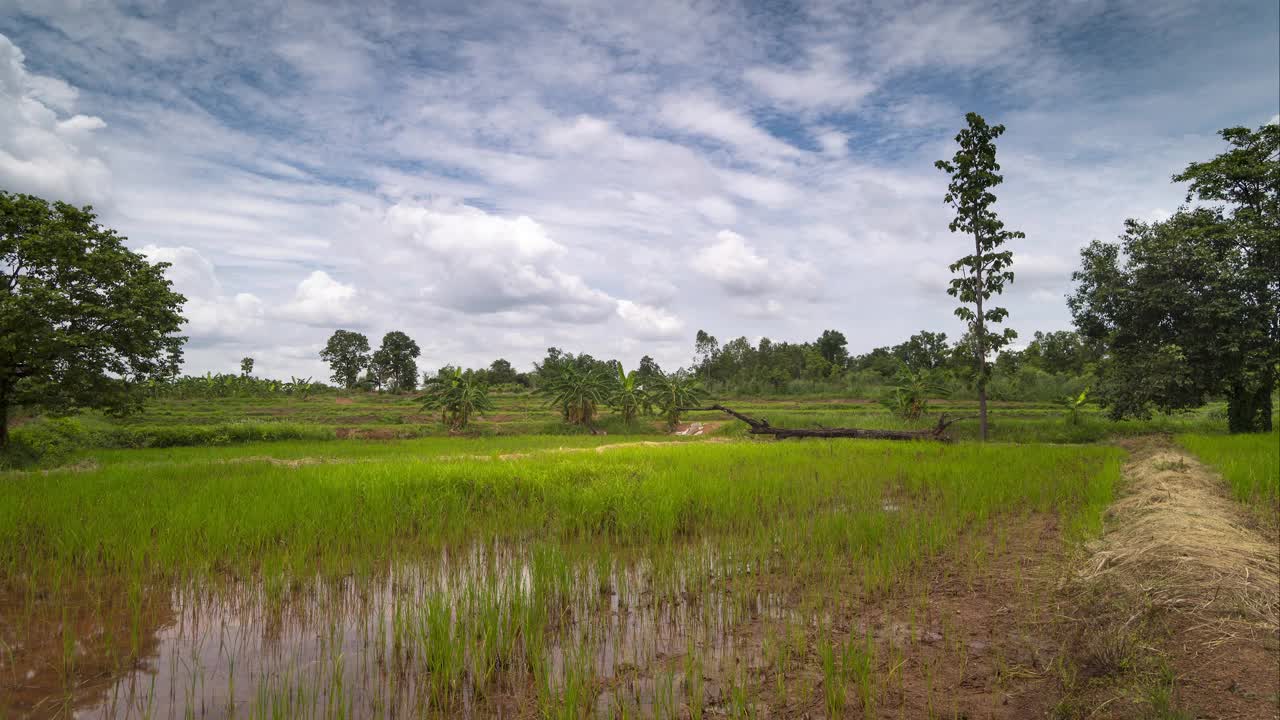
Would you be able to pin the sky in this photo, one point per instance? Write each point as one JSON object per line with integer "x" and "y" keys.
{"x": 498, "y": 178}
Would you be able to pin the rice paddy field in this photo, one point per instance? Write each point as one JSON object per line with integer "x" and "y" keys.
{"x": 525, "y": 574}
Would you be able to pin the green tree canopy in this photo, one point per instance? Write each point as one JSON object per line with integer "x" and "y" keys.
{"x": 924, "y": 351}
{"x": 347, "y": 353}
{"x": 834, "y": 348}
{"x": 1190, "y": 307}
{"x": 394, "y": 363}
{"x": 83, "y": 319}
{"x": 246, "y": 366}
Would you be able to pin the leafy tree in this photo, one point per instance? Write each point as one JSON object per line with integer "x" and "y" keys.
{"x": 834, "y": 348}
{"x": 923, "y": 351}
{"x": 673, "y": 392}
{"x": 705, "y": 349}
{"x": 393, "y": 364}
{"x": 83, "y": 320}
{"x": 1190, "y": 307}
{"x": 1183, "y": 313}
{"x": 1062, "y": 351}
{"x": 347, "y": 353}
{"x": 627, "y": 395}
{"x": 909, "y": 397}
{"x": 648, "y": 372}
{"x": 501, "y": 372}
{"x": 576, "y": 389}
{"x": 816, "y": 365}
{"x": 246, "y": 366}
{"x": 880, "y": 360}
{"x": 983, "y": 273}
{"x": 458, "y": 395}
{"x": 1075, "y": 405}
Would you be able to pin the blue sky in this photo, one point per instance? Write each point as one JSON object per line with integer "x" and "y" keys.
{"x": 496, "y": 178}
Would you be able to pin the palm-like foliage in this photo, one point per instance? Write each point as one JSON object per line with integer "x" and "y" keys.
{"x": 673, "y": 392}
{"x": 1074, "y": 405}
{"x": 576, "y": 391}
{"x": 457, "y": 395}
{"x": 626, "y": 396}
{"x": 909, "y": 398}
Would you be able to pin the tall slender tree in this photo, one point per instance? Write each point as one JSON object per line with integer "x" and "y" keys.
{"x": 984, "y": 272}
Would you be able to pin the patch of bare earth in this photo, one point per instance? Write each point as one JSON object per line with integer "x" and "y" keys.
{"x": 1184, "y": 586}
{"x": 698, "y": 428}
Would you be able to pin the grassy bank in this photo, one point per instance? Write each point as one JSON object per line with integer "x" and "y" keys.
{"x": 1249, "y": 463}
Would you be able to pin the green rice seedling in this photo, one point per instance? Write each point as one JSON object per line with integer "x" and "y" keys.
{"x": 664, "y": 696}
{"x": 693, "y": 681}
{"x": 833, "y": 686}
{"x": 1249, "y": 463}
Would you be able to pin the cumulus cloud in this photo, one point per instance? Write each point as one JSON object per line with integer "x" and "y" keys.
{"x": 44, "y": 150}
{"x": 321, "y": 301}
{"x": 479, "y": 263}
{"x": 212, "y": 315}
{"x": 740, "y": 270}
{"x": 647, "y": 322}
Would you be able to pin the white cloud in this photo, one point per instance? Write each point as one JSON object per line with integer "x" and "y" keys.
{"x": 211, "y": 314}
{"x": 717, "y": 209}
{"x": 826, "y": 83}
{"x": 951, "y": 35}
{"x": 321, "y": 301}
{"x": 740, "y": 270}
{"x": 833, "y": 142}
{"x": 647, "y": 322}
{"x": 708, "y": 117}
{"x": 41, "y": 151}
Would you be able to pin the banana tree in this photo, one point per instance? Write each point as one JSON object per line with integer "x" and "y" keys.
{"x": 626, "y": 396}
{"x": 673, "y": 392}
{"x": 457, "y": 395}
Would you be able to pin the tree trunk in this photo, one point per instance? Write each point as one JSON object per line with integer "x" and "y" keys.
{"x": 762, "y": 427}
{"x": 4, "y": 419}
{"x": 1249, "y": 405}
{"x": 980, "y": 337}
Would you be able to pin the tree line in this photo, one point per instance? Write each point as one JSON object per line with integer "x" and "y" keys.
{"x": 1175, "y": 313}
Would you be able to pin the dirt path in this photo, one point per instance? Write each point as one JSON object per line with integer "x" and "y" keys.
{"x": 1184, "y": 582}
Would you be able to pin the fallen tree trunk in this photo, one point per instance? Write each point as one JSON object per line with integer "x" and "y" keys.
{"x": 762, "y": 427}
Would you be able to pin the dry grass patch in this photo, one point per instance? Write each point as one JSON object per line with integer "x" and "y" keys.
{"x": 1178, "y": 540}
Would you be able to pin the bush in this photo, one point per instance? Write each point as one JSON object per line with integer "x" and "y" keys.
{"x": 52, "y": 440}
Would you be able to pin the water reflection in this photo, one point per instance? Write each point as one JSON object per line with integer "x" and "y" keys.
{"x": 489, "y": 631}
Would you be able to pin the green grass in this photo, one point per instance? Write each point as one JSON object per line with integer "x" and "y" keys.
{"x": 49, "y": 442}
{"x": 207, "y": 514}
{"x": 1249, "y": 463}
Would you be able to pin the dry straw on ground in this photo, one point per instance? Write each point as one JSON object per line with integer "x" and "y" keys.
{"x": 1178, "y": 540}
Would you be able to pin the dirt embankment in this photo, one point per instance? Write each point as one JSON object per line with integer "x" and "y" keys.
{"x": 1184, "y": 584}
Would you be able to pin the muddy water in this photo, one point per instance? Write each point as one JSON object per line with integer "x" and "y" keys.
{"x": 491, "y": 631}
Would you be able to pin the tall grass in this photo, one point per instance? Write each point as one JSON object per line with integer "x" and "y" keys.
{"x": 823, "y": 497}
{"x": 1249, "y": 463}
